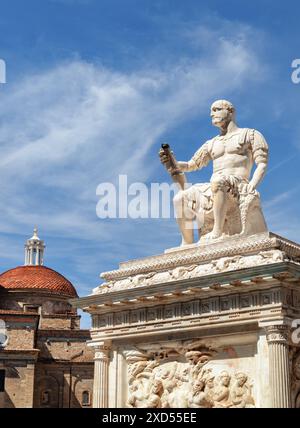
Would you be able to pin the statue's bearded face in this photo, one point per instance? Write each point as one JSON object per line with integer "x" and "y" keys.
{"x": 220, "y": 114}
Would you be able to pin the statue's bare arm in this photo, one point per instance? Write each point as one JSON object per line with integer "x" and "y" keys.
{"x": 200, "y": 159}
{"x": 258, "y": 175}
{"x": 260, "y": 156}
{"x": 187, "y": 166}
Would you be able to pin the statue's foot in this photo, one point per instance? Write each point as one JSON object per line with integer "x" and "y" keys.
{"x": 213, "y": 235}
{"x": 184, "y": 243}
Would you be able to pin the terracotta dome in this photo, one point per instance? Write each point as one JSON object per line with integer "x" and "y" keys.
{"x": 36, "y": 278}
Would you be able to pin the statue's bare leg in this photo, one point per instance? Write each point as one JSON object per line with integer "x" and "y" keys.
{"x": 184, "y": 217}
{"x": 219, "y": 210}
{"x": 187, "y": 231}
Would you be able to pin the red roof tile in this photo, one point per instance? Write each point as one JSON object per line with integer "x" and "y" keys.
{"x": 37, "y": 278}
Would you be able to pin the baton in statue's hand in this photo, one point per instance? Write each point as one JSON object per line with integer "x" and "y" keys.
{"x": 168, "y": 159}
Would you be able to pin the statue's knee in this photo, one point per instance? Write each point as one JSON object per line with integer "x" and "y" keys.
{"x": 217, "y": 185}
{"x": 178, "y": 198}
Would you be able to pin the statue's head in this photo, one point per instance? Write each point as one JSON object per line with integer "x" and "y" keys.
{"x": 193, "y": 356}
{"x": 222, "y": 113}
{"x": 224, "y": 378}
{"x": 157, "y": 387}
{"x": 210, "y": 382}
{"x": 199, "y": 385}
{"x": 241, "y": 378}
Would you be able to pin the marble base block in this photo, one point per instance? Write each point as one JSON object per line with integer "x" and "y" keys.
{"x": 204, "y": 326}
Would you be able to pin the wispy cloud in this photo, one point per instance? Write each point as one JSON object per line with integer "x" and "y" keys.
{"x": 68, "y": 128}
{"x": 281, "y": 213}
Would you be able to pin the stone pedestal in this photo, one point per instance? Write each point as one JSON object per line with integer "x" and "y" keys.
{"x": 204, "y": 326}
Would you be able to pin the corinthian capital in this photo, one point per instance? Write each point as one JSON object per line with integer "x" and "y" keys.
{"x": 277, "y": 334}
{"x": 102, "y": 350}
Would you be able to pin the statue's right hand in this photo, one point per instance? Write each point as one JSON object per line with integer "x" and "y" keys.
{"x": 164, "y": 157}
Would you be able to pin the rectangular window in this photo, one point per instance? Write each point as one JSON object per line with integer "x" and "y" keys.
{"x": 30, "y": 308}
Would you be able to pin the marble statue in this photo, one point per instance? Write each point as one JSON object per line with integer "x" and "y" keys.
{"x": 230, "y": 203}
{"x": 209, "y": 387}
{"x": 136, "y": 395}
{"x": 240, "y": 393}
{"x": 198, "y": 397}
{"x": 154, "y": 398}
{"x": 222, "y": 391}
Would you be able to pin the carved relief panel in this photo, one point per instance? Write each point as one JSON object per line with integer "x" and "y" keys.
{"x": 296, "y": 379}
{"x": 184, "y": 377}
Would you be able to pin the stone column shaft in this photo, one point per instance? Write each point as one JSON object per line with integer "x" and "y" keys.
{"x": 100, "y": 393}
{"x": 277, "y": 337}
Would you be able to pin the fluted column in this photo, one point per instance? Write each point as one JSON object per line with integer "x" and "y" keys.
{"x": 277, "y": 337}
{"x": 101, "y": 367}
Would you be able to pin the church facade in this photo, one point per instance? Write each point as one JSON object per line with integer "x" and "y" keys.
{"x": 44, "y": 358}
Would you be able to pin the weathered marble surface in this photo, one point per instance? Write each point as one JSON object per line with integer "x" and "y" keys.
{"x": 204, "y": 326}
{"x": 191, "y": 381}
{"x": 229, "y": 204}
{"x": 201, "y": 260}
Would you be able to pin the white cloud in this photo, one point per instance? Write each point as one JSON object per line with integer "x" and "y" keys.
{"x": 69, "y": 128}
{"x": 281, "y": 213}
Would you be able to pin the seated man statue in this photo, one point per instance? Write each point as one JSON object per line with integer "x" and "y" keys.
{"x": 230, "y": 203}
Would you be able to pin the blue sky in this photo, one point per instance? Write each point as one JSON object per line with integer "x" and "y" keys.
{"x": 94, "y": 87}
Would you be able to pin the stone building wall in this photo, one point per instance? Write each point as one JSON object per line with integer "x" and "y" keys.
{"x": 19, "y": 383}
{"x": 60, "y": 322}
{"x": 46, "y": 360}
{"x": 61, "y": 385}
{"x": 46, "y": 302}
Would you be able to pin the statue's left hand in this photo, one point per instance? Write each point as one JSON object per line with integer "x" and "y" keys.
{"x": 247, "y": 188}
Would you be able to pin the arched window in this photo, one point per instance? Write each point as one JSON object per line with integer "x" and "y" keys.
{"x": 45, "y": 397}
{"x": 86, "y": 398}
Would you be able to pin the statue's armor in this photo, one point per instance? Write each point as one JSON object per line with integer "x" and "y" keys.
{"x": 233, "y": 156}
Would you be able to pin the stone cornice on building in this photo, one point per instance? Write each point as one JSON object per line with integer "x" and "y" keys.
{"x": 199, "y": 253}
{"x": 67, "y": 363}
{"x": 19, "y": 354}
{"x": 248, "y": 279}
{"x": 62, "y": 333}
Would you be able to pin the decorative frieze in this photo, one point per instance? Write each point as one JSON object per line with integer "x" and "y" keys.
{"x": 202, "y": 259}
{"x": 180, "y": 377}
{"x": 185, "y": 310}
{"x": 226, "y": 264}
